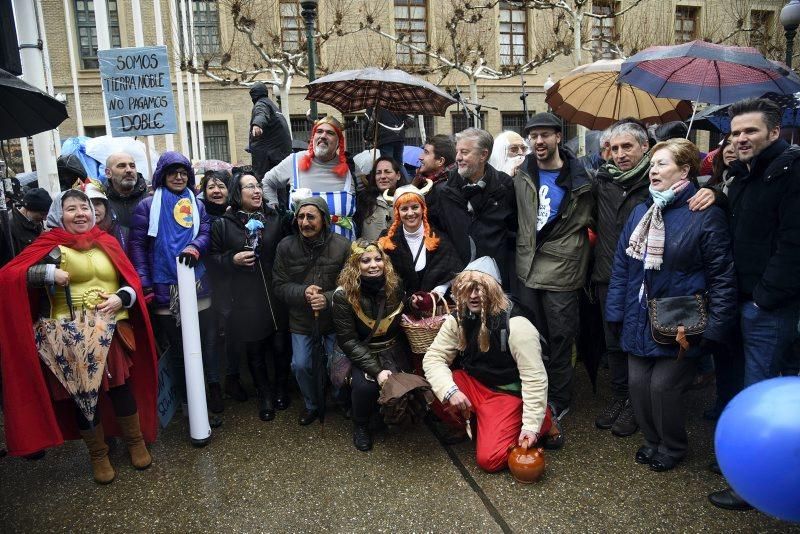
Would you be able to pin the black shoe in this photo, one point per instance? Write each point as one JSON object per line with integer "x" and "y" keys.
{"x": 645, "y": 455}
{"x": 215, "y": 404}
{"x": 234, "y": 389}
{"x": 625, "y": 425}
{"x": 308, "y": 417}
{"x": 729, "y": 500}
{"x": 663, "y": 462}
{"x": 38, "y": 455}
{"x": 214, "y": 421}
{"x": 362, "y": 438}
{"x": 712, "y": 414}
{"x": 282, "y": 399}
{"x": 555, "y": 438}
{"x": 714, "y": 467}
{"x": 266, "y": 410}
{"x": 607, "y": 417}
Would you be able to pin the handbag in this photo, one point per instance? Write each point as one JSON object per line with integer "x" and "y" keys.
{"x": 678, "y": 320}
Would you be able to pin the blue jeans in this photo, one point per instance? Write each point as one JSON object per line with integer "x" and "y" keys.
{"x": 302, "y": 366}
{"x": 766, "y": 336}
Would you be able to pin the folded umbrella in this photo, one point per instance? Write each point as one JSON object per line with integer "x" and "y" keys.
{"x": 404, "y": 398}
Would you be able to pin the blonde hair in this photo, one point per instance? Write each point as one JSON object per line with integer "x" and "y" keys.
{"x": 684, "y": 152}
{"x": 493, "y": 302}
{"x": 350, "y": 277}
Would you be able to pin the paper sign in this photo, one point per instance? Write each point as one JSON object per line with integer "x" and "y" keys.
{"x": 137, "y": 91}
{"x": 167, "y": 395}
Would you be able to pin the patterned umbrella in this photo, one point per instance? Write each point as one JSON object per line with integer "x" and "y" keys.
{"x": 715, "y": 118}
{"x": 707, "y": 72}
{"x": 592, "y": 96}
{"x": 397, "y": 91}
{"x": 75, "y": 351}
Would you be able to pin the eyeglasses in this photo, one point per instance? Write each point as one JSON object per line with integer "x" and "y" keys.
{"x": 250, "y": 187}
{"x": 182, "y": 174}
{"x": 516, "y": 149}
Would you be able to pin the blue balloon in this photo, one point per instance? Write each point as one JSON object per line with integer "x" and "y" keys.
{"x": 758, "y": 446}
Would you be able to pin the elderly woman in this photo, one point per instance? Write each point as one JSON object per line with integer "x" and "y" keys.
{"x": 508, "y": 151}
{"x": 243, "y": 243}
{"x": 373, "y": 213}
{"x": 668, "y": 250}
{"x": 168, "y": 225}
{"x": 366, "y": 313}
{"x": 39, "y": 413}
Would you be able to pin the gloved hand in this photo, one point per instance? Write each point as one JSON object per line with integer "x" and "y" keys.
{"x": 422, "y": 301}
{"x": 615, "y": 327}
{"x": 190, "y": 257}
{"x": 148, "y": 295}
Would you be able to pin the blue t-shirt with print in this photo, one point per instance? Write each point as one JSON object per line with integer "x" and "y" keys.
{"x": 550, "y": 197}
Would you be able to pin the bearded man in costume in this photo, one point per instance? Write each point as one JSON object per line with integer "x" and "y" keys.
{"x": 38, "y": 410}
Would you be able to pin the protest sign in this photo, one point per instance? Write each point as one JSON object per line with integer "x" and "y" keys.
{"x": 137, "y": 91}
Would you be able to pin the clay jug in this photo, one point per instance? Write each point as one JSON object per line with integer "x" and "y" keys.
{"x": 526, "y": 465}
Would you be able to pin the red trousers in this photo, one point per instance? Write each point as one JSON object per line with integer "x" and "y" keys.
{"x": 499, "y": 421}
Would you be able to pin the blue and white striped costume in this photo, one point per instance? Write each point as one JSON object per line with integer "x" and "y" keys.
{"x": 341, "y": 204}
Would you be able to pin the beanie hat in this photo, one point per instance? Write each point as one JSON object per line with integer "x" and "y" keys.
{"x": 342, "y": 168}
{"x": 37, "y": 199}
{"x": 485, "y": 265}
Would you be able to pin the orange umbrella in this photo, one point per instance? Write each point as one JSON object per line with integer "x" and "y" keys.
{"x": 592, "y": 96}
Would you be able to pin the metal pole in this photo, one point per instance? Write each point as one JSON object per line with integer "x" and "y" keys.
{"x": 159, "y": 25}
{"x": 103, "y": 42}
{"x": 73, "y": 70}
{"x": 791, "y": 31}
{"x": 176, "y": 64}
{"x": 309, "y": 13}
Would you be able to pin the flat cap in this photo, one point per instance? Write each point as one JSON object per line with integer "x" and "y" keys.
{"x": 542, "y": 120}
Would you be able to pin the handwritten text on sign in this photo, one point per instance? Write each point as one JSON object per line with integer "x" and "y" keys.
{"x": 137, "y": 90}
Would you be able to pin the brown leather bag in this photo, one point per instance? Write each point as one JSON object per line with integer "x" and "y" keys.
{"x": 126, "y": 335}
{"x": 678, "y": 320}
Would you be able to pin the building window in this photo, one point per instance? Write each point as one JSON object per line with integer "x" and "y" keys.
{"x": 292, "y": 38}
{"x": 94, "y": 131}
{"x": 206, "y": 27}
{"x": 604, "y": 31}
{"x": 216, "y": 140}
{"x": 762, "y": 24}
{"x": 461, "y": 122}
{"x": 410, "y": 21}
{"x": 87, "y": 32}
{"x": 354, "y": 134}
{"x": 514, "y": 121}
{"x": 686, "y": 20}
{"x": 513, "y": 34}
{"x": 413, "y": 137}
{"x": 301, "y": 127}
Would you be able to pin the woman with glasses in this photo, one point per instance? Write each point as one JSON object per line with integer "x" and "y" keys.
{"x": 367, "y": 308}
{"x": 373, "y": 214}
{"x": 508, "y": 151}
{"x": 243, "y": 243}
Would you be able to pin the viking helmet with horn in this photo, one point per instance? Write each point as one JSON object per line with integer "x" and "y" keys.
{"x": 403, "y": 195}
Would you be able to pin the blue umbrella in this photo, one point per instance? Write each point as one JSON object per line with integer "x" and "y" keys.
{"x": 411, "y": 156}
{"x": 716, "y": 117}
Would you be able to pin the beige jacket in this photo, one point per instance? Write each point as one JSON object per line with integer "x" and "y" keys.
{"x": 523, "y": 340}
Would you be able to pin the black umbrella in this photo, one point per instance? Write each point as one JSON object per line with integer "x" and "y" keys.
{"x": 25, "y": 110}
{"x": 591, "y": 342}
{"x": 319, "y": 367}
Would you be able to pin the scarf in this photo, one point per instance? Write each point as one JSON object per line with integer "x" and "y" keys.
{"x": 621, "y": 177}
{"x": 373, "y": 285}
{"x": 647, "y": 240}
{"x": 215, "y": 210}
{"x": 174, "y": 222}
{"x": 414, "y": 240}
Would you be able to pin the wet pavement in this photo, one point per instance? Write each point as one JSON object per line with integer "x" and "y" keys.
{"x": 280, "y": 477}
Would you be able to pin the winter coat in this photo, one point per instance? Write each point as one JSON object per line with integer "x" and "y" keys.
{"x": 394, "y": 134}
{"x": 697, "y": 260}
{"x": 556, "y": 257}
{"x": 123, "y": 207}
{"x": 275, "y": 141}
{"x": 764, "y": 207}
{"x": 441, "y": 265}
{"x": 255, "y": 313}
{"x": 300, "y": 263}
{"x": 23, "y": 233}
{"x": 613, "y": 205}
{"x": 351, "y": 331}
{"x": 140, "y": 246}
{"x": 380, "y": 219}
{"x": 489, "y": 231}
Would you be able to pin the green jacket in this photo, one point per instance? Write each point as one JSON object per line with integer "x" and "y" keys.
{"x": 558, "y": 257}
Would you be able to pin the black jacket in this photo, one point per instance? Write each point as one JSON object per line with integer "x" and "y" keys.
{"x": 254, "y": 311}
{"x": 764, "y": 214}
{"x": 123, "y": 207}
{"x": 490, "y": 229}
{"x": 23, "y": 233}
{"x": 275, "y": 142}
{"x": 441, "y": 265}
{"x": 397, "y": 123}
{"x": 614, "y": 204}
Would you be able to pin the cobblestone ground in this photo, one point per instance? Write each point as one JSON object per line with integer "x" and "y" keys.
{"x": 279, "y": 477}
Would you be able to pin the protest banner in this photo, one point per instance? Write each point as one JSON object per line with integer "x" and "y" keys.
{"x": 137, "y": 91}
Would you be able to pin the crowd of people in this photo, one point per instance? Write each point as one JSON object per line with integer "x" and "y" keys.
{"x": 297, "y": 251}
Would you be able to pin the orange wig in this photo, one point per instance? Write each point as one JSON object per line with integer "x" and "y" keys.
{"x": 305, "y": 160}
{"x": 430, "y": 239}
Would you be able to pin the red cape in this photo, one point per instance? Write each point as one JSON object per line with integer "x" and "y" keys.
{"x": 33, "y": 421}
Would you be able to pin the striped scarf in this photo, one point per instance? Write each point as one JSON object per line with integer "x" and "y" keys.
{"x": 647, "y": 240}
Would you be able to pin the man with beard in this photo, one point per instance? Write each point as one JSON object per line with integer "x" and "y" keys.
{"x": 306, "y": 267}
{"x": 620, "y": 185}
{"x": 475, "y": 205}
{"x": 554, "y": 207}
{"x": 270, "y": 139}
{"x": 125, "y": 189}
{"x": 321, "y": 171}
{"x": 438, "y": 158}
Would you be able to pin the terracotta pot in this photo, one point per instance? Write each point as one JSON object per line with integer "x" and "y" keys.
{"x": 526, "y": 465}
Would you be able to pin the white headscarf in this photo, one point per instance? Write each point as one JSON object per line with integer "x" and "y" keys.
{"x": 56, "y": 213}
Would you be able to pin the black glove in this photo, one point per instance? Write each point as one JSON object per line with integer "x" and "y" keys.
{"x": 188, "y": 259}
{"x": 615, "y": 327}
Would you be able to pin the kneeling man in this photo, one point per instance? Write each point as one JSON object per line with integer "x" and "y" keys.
{"x": 499, "y": 375}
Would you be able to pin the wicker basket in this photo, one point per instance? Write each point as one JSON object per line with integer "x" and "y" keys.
{"x": 422, "y": 332}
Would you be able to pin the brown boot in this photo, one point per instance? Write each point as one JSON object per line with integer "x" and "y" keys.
{"x": 98, "y": 453}
{"x": 132, "y": 434}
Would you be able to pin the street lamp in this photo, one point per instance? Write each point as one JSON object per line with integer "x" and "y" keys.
{"x": 548, "y": 83}
{"x": 309, "y": 14}
{"x": 790, "y": 19}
